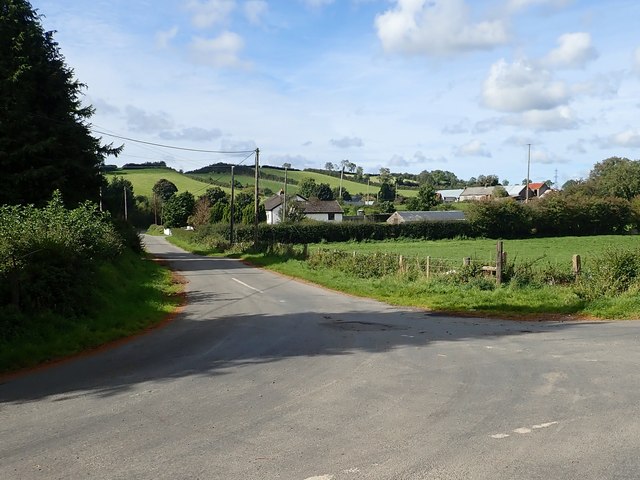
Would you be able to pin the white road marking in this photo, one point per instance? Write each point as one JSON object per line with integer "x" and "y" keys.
{"x": 351, "y": 470}
{"x": 544, "y": 425}
{"x": 522, "y": 430}
{"x": 248, "y": 286}
{"x": 320, "y": 477}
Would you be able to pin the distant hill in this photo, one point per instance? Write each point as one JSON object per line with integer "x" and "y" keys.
{"x": 197, "y": 181}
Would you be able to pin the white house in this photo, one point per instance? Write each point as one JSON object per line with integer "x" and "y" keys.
{"x": 314, "y": 209}
{"x": 274, "y": 205}
{"x": 322, "y": 210}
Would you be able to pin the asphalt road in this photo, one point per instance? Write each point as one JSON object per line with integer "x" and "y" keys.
{"x": 263, "y": 377}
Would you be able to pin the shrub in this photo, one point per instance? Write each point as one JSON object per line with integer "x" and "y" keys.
{"x": 48, "y": 255}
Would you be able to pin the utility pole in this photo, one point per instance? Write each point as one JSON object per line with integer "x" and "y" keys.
{"x": 232, "y": 205}
{"x": 284, "y": 200}
{"x": 256, "y": 199}
{"x": 555, "y": 179}
{"x": 101, "y": 199}
{"x": 528, "y": 173}
{"x": 125, "y": 203}
{"x": 341, "y": 176}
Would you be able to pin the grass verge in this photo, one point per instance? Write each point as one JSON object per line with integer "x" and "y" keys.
{"x": 130, "y": 295}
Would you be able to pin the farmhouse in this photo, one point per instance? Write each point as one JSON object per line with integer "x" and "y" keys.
{"x": 273, "y": 206}
{"x": 314, "y": 209}
{"x": 322, "y": 210}
{"x": 424, "y": 216}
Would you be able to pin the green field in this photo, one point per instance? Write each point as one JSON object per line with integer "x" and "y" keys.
{"x": 550, "y": 250}
{"x": 351, "y": 186}
{"x": 143, "y": 180}
{"x": 247, "y": 181}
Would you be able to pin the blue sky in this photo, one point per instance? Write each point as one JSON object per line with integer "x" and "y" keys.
{"x": 412, "y": 85}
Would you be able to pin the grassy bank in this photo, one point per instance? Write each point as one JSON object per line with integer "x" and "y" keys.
{"x": 128, "y": 296}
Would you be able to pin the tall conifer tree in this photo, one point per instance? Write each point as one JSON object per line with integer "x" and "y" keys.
{"x": 45, "y": 139}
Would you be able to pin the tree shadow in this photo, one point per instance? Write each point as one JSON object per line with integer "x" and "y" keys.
{"x": 219, "y": 345}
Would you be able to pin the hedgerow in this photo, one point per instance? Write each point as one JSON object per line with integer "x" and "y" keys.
{"x": 48, "y": 255}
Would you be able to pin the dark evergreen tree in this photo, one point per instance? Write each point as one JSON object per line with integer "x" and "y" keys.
{"x": 45, "y": 139}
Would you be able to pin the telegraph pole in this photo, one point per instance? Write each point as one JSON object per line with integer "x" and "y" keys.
{"x": 232, "y": 206}
{"x": 284, "y": 200}
{"x": 256, "y": 199}
{"x": 528, "y": 173}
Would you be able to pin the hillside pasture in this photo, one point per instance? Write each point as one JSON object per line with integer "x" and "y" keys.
{"x": 143, "y": 180}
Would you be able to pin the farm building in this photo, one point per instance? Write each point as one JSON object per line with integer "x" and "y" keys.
{"x": 518, "y": 192}
{"x": 439, "y": 216}
{"x": 538, "y": 189}
{"x": 476, "y": 193}
{"x": 449, "y": 196}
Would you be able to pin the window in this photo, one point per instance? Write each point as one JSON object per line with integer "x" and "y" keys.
{"x": 332, "y": 216}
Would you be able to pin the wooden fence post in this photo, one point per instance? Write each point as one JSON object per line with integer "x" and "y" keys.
{"x": 499, "y": 258}
{"x": 577, "y": 266}
{"x": 428, "y": 266}
{"x": 401, "y": 264}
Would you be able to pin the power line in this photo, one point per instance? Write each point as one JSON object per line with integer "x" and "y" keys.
{"x": 171, "y": 146}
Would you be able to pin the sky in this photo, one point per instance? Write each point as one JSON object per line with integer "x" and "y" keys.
{"x": 411, "y": 85}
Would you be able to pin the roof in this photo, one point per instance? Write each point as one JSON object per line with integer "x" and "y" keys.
{"x": 537, "y": 186}
{"x": 321, "y": 206}
{"x": 515, "y": 190}
{"x": 477, "y": 191}
{"x": 450, "y": 193}
{"x": 431, "y": 216}
{"x": 272, "y": 203}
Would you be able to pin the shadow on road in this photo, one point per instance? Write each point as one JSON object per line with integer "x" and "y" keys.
{"x": 221, "y": 345}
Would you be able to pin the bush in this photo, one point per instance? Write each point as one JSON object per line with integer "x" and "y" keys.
{"x": 616, "y": 272}
{"x": 48, "y": 255}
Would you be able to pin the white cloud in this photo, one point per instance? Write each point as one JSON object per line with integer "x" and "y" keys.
{"x": 142, "y": 121}
{"x": 574, "y": 51}
{"x": 221, "y": 51}
{"x": 519, "y": 86}
{"x": 636, "y": 60}
{"x": 347, "y": 142}
{"x": 436, "y": 27}
{"x": 560, "y": 118}
{"x": 420, "y": 157}
{"x": 210, "y": 12}
{"x": 254, "y": 10}
{"x": 163, "y": 38}
{"x": 474, "y": 148}
{"x": 629, "y": 138}
{"x": 544, "y": 157}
